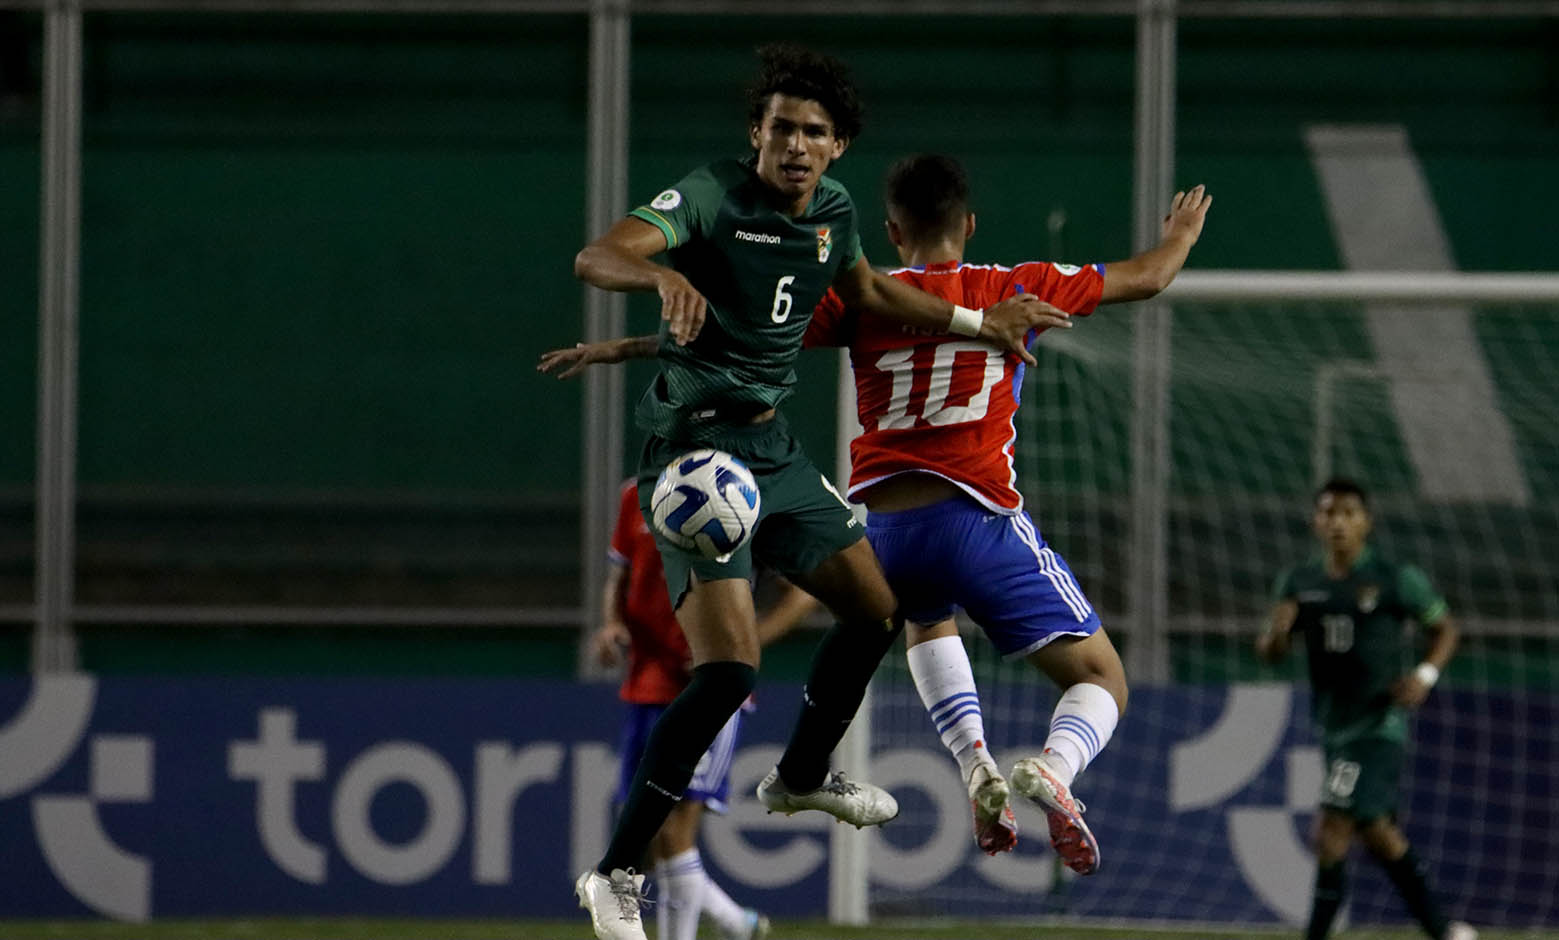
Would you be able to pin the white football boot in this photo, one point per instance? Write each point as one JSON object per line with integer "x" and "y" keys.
{"x": 859, "y": 804}
{"x": 995, "y": 827}
{"x": 1033, "y": 779}
{"x": 1456, "y": 930}
{"x": 613, "y": 903}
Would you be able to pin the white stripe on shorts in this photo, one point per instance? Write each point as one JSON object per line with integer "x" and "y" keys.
{"x": 716, "y": 762}
{"x": 1050, "y": 566}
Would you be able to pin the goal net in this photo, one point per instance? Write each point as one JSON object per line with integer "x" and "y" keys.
{"x": 1446, "y": 408}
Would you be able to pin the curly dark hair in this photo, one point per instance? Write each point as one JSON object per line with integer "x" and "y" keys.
{"x": 791, "y": 70}
{"x": 927, "y": 193}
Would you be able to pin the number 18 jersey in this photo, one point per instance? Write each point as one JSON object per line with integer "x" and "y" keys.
{"x": 938, "y": 403}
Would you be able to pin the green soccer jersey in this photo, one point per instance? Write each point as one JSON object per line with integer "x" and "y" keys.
{"x": 1356, "y": 632}
{"x": 762, "y": 272}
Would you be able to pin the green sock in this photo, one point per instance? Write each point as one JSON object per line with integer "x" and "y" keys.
{"x": 1331, "y": 887}
{"x": 1410, "y": 875}
{"x": 841, "y": 669}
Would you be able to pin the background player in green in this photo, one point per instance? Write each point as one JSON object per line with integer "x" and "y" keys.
{"x": 753, "y": 245}
{"x": 1350, "y": 606}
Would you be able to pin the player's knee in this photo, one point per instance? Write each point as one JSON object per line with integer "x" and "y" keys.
{"x": 725, "y": 682}
{"x": 1383, "y": 839}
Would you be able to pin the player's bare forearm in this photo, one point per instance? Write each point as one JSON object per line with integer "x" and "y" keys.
{"x": 869, "y": 291}
{"x": 1147, "y": 274}
{"x": 1412, "y": 689}
{"x": 1005, "y": 325}
{"x": 1272, "y": 645}
{"x": 570, "y": 361}
{"x": 619, "y": 261}
{"x": 1444, "y": 637}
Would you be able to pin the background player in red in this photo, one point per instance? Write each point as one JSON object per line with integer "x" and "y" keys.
{"x": 639, "y": 626}
{"x": 934, "y": 466}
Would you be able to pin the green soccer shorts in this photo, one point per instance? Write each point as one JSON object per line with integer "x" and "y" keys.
{"x": 1363, "y": 779}
{"x": 802, "y": 519}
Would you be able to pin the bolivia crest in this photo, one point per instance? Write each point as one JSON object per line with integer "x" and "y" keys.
{"x": 825, "y": 243}
{"x": 1369, "y": 596}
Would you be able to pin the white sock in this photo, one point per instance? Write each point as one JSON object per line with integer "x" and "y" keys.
{"x": 1080, "y": 727}
{"x": 662, "y": 909}
{"x": 682, "y": 896}
{"x": 729, "y": 916}
{"x": 946, "y": 685}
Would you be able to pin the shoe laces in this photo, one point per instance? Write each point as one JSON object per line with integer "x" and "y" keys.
{"x": 839, "y": 784}
{"x": 629, "y": 897}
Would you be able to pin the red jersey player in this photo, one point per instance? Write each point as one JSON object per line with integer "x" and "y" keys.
{"x": 934, "y": 467}
{"x": 638, "y": 622}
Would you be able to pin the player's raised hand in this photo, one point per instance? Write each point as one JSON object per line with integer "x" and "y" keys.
{"x": 1007, "y": 324}
{"x": 1187, "y": 213}
{"x": 681, "y": 306}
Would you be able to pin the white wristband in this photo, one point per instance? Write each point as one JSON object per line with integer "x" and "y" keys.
{"x": 1427, "y": 673}
{"x": 965, "y": 322}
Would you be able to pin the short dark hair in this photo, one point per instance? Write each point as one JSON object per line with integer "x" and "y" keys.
{"x": 801, "y": 73}
{"x": 1343, "y": 486}
{"x": 927, "y": 193}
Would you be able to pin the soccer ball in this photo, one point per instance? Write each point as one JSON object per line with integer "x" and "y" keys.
{"x": 706, "y": 501}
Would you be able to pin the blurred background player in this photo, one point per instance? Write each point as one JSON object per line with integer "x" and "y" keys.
{"x": 752, "y": 246}
{"x": 641, "y": 628}
{"x": 1352, "y": 607}
{"x": 934, "y": 466}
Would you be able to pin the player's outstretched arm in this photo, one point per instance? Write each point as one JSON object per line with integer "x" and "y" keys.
{"x": 571, "y": 360}
{"x": 619, "y": 260}
{"x": 1272, "y": 645}
{"x": 1145, "y": 275}
{"x": 1005, "y": 325}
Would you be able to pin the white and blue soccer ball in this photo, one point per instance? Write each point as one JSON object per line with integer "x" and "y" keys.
{"x": 706, "y": 501}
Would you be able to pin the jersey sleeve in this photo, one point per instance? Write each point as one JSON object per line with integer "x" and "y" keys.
{"x": 622, "y": 533}
{"x": 828, "y": 326}
{"x": 1071, "y": 288}
{"x": 686, "y": 210}
{"x": 1419, "y": 597}
{"x": 1283, "y": 586}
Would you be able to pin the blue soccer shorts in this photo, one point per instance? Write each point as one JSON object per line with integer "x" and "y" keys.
{"x": 957, "y": 554}
{"x": 711, "y": 783}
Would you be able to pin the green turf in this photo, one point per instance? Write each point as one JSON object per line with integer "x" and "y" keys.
{"x": 410, "y": 929}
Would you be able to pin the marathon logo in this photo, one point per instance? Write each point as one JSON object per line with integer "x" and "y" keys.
{"x": 757, "y": 238}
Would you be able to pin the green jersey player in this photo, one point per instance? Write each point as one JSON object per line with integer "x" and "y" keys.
{"x": 753, "y": 244}
{"x": 1350, "y": 607}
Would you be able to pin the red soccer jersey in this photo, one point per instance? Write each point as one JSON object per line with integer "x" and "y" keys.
{"x": 939, "y": 403}
{"x": 659, "y": 662}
